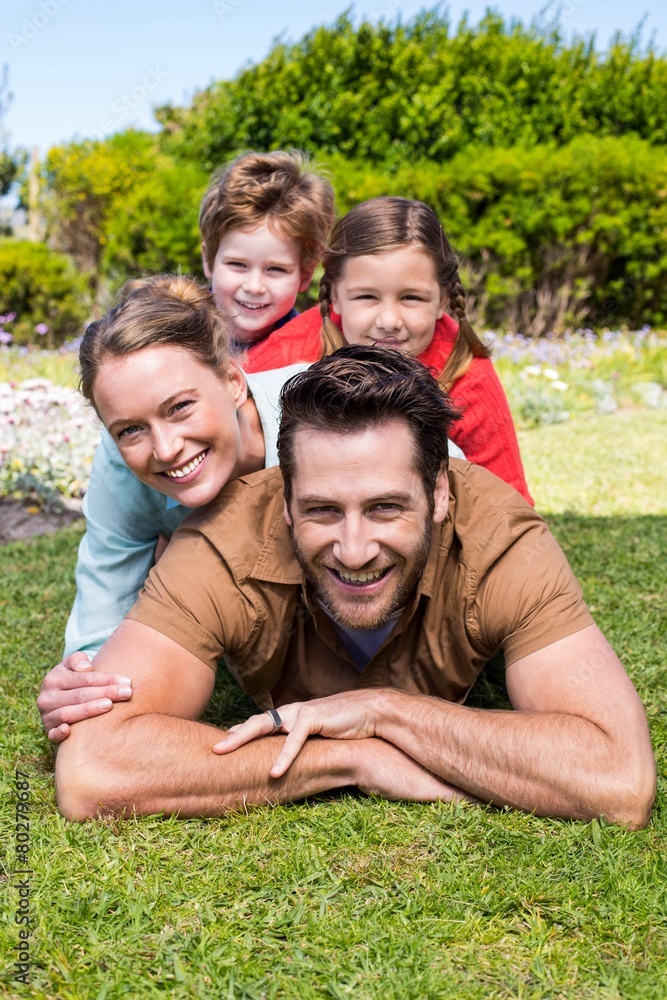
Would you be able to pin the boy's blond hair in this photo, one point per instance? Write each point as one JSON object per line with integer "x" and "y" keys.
{"x": 282, "y": 188}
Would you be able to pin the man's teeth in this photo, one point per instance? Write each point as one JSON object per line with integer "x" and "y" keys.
{"x": 361, "y": 577}
{"x": 187, "y": 469}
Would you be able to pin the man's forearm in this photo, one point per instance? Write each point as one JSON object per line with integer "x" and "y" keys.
{"x": 549, "y": 763}
{"x": 159, "y": 763}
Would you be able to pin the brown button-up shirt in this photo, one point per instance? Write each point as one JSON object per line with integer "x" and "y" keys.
{"x": 229, "y": 585}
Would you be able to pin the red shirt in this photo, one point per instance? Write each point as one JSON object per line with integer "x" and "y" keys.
{"x": 485, "y": 433}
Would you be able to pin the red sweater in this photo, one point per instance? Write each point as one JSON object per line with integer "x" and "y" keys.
{"x": 485, "y": 433}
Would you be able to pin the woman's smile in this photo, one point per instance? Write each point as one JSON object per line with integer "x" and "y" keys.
{"x": 175, "y": 421}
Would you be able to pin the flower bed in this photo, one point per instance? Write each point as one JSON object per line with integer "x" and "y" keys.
{"x": 550, "y": 379}
{"x": 48, "y": 435}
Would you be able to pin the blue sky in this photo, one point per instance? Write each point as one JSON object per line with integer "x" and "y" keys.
{"x": 80, "y": 69}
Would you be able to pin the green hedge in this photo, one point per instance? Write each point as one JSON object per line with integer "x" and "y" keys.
{"x": 154, "y": 228}
{"x": 546, "y": 161}
{"x": 389, "y": 93}
{"x": 550, "y": 237}
{"x": 44, "y": 289}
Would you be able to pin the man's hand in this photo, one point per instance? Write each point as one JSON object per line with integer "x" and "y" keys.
{"x": 381, "y": 769}
{"x": 384, "y": 770}
{"x": 346, "y": 716}
{"x": 73, "y": 690}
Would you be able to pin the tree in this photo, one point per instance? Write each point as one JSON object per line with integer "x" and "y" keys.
{"x": 84, "y": 185}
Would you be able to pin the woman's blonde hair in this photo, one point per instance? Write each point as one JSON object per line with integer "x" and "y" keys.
{"x": 163, "y": 310}
{"x": 385, "y": 224}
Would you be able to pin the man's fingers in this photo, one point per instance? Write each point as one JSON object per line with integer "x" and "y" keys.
{"x": 245, "y": 732}
{"x": 291, "y": 748}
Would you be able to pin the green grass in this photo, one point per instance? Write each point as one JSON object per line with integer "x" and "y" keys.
{"x": 344, "y": 896}
{"x": 59, "y": 368}
{"x": 599, "y": 465}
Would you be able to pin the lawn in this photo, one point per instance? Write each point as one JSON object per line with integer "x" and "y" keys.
{"x": 345, "y": 896}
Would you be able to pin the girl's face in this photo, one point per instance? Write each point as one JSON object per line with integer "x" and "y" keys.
{"x": 174, "y": 420}
{"x": 390, "y": 299}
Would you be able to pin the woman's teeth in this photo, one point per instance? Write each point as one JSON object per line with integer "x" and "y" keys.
{"x": 361, "y": 577}
{"x": 187, "y": 469}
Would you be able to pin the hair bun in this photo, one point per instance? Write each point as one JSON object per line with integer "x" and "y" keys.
{"x": 176, "y": 285}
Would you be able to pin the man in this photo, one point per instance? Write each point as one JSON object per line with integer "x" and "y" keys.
{"x": 360, "y": 608}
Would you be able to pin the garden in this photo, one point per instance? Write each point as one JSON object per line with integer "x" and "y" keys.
{"x": 560, "y": 217}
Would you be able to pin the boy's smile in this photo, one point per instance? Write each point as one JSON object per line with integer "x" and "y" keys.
{"x": 255, "y": 279}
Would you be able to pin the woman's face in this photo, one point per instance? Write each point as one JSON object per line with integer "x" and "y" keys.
{"x": 391, "y": 299}
{"x": 174, "y": 420}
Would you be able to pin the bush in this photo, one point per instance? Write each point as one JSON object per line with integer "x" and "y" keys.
{"x": 44, "y": 291}
{"x": 550, "y": 238}
{"x": 391, "y": 93}
{"x": 83, "y": 186}
{"x": 154, "y": 229}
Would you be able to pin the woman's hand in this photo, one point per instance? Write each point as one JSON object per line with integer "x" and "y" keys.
{"x": 73, "y": 690}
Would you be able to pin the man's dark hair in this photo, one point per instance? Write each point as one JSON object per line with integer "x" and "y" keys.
{"x": 359, "y": 387}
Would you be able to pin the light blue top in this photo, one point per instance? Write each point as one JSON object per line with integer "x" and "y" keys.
{"x": 123, "y": 520}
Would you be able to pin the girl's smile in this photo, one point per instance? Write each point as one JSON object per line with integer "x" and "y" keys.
{"x": 390, "y": 299}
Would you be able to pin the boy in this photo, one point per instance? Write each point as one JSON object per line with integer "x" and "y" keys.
{"x": 264, "y": 221}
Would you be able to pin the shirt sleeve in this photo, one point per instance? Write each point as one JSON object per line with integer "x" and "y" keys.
{"x": 529, "y": 598}
{"x": 191, "y": 597}
{"x": 123, "y": 520}
{"x": 486, "y": 431}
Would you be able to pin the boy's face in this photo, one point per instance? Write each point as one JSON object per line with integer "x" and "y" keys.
{"x": 255, "y": 279}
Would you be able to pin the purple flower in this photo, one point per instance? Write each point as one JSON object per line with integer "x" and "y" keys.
{"x": 41, "y": 329}
{"x": 10, "y": 317}
{"x": 5, "y": 338}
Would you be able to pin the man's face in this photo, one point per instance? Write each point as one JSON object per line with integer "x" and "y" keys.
{"x": 360, "y": 520}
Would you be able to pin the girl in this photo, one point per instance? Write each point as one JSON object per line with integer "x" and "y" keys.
{"x": 389, "y": 276}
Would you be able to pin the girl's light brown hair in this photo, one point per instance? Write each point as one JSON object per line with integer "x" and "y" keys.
{"x": 163, "y": 310}
{"x": 384, "y": 224}
{"x": 282, "y": 188}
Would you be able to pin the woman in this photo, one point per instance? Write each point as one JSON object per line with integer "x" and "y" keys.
{"x": 181, "y": 421}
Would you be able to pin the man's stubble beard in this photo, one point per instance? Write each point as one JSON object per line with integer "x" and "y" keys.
{"x": 400, "y": 598}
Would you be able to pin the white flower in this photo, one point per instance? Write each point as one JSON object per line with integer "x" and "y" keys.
{"x": 561, "y": 386}
{"x": 550, "y": 373}
{"x": 532, "y": 370}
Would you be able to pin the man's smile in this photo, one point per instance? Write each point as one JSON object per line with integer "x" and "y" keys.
{"x": 366, "y": 580}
